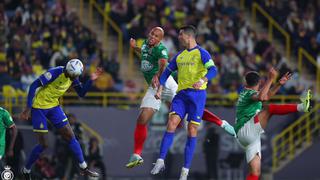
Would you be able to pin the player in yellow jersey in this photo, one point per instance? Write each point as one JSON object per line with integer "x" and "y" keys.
{"x": 43, "y": 103}
{"x": 195, "y": 67}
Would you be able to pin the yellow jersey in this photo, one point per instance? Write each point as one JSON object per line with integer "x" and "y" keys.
{"x": 192, "y": 65}
{"x": 54, "y": 85}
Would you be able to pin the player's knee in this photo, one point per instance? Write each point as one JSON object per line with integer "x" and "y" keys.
{"x": 172, "y": 126}
{"x": 192, "y": 130}
{"x": 142, "y": 120}
{"x": 256, "y": 171}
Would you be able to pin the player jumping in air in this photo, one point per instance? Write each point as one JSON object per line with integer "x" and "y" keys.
{"x": 252, "y": 117}
{"x": 44, "y": 104}
{"x": 195, "y": 68}
{"x": 154, "y": 56}
{"x": 6, "y": 122}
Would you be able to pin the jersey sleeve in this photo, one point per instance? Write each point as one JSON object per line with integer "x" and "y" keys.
{"x": 50, "y": 75}
{"x": 76, "y": 82}
{"x": 206, "y": 58}
{"x": 7, "y": 119}
{"x": 163, "y": 53}
{"x": 173, "y": 63}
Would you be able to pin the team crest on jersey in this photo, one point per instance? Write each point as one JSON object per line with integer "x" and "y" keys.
{"x": 48, "y": 75}
{"x": 164, "y": 52}
{"x": 146, "y": 66}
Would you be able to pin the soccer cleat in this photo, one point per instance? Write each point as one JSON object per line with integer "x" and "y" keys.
{"x": 306, "y": 101}
{"x": 135, "y": 160}
{"x": 228, "y": 128}
{"x": 158, "y": 166}
{"x": 25, "y": 175}
{"x": 88, "y": 172}
{"x": 184, "y": 174}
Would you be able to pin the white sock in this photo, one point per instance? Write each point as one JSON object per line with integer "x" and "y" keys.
{"x": 185, "y": 170}
{"x": 83, "y": 165}
{"x": 300, "y": 107}
{"x": 160, "y": 160}
{"x": 25, "y": 170}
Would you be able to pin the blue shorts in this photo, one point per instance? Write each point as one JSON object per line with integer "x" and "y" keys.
{"x": 55, "y": 115}
{"x": 191, "y": 102}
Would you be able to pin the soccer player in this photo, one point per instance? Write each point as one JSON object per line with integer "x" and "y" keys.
{"x": 6, "y": 122}
{"x": 154, "y": 56}
{"x": 43, "y": 103}
{"x": 252, "y": 118}
{"x": 195, "y": 68}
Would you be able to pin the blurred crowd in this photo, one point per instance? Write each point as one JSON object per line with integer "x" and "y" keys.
{"x": 36, "y": 35}
{"x": 301, "y": 19}
{"x": 222, "y": 28}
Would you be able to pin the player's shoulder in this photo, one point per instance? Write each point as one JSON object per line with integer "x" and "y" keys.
{"x": 56, "y": 70}
{"x": 3, "y": 110}
{"x": 202, "y": 50}
{"x": 52, "y": 73}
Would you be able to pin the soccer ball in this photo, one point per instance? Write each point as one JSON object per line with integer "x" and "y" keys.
{"x": 74, "y": 67}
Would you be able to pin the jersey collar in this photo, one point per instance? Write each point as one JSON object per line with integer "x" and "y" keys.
{"x": 192, "y": 48}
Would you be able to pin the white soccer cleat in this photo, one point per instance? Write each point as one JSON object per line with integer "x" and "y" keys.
{"x": 184, "y": 174}
{"x": 158, "y": 166}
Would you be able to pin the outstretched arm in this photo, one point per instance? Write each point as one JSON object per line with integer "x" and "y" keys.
{"x": 263, "y": 95}
{"x": 133, "y": 45}
{"x": 82, "y": 90}
{"x": 278, "y": 85}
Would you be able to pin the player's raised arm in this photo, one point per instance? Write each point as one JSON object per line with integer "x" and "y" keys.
{"x": 133, "y": 45}
{"x": 83, "y": 89}
{"x": 278, "y": 85}
{"x": 263, "y": 95}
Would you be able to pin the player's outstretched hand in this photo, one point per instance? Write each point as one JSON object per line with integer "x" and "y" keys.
{"x": 285, "y": 78}
{"x": 273, "y": 73}
{"x": 155, "y": 81}
{"x": 228, "y": 128}
{"x": 96, "y": 74}
{"x": 133, "y": 43}
{"x": 25, "y": 115}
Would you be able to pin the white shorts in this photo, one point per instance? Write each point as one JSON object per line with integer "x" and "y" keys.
{"x": 249, "y": 137}
{"x": 169, "y": 91}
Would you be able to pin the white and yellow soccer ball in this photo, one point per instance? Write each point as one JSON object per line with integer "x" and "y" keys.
{"x": 74, "y": 67}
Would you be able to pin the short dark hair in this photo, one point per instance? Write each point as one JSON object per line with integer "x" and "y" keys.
{"x": 252, "y": 78}
{"x": 189, "y": 29}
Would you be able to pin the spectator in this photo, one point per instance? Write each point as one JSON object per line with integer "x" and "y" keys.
{"x": 95, "y": 157}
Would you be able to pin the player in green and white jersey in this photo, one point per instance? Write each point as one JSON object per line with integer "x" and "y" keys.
{"x": 252, "y": 116}
{"x": 154, "y": 57}
{"x": 5, "y": 123}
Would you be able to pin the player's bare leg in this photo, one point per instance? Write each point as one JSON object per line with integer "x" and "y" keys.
{"x": 140, "y": 135}
{"x": 68, "y": 135}
{"x": 255, "y": 168}
{"x": 167, "y": 140}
